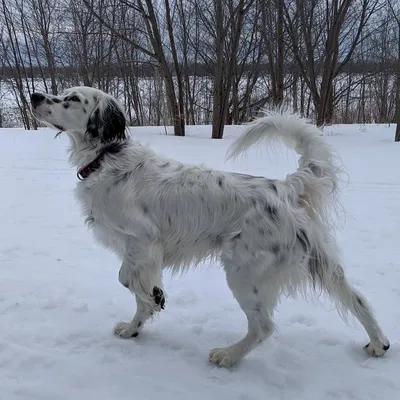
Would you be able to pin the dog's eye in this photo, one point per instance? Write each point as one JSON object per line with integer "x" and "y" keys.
{"x": 74, "y": 98}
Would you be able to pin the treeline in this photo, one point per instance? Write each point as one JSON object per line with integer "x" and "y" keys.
{"x": 179, "y": 62}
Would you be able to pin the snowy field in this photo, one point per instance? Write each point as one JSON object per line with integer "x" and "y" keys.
{"x": 60, "y": 296}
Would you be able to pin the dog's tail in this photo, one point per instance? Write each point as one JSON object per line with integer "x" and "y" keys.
{"x": 316, "y": 181}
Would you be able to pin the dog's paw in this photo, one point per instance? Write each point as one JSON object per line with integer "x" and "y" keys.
{"x": 158, "y": 298}
{"x": 126, "y": 330}
{"x": 377, "y": 349}
{"x": 223, "y": 357}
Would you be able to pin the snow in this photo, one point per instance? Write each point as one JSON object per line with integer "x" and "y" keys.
{"x": 60, "y": 296}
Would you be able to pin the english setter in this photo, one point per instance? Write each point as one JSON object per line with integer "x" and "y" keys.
{"x": 272, "y": 237}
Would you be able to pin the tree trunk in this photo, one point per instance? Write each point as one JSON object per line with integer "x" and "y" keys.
{"x": 397, "y": 136}
{"x": 397, "y": 117}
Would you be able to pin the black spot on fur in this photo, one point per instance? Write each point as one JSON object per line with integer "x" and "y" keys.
{"x": 360, "y": 302}
{"x": 66, "y": 105}
{"x": 303, "y": 240}
{"x": 86, "y": 101}
{"x": 145, "y": 209}
{"x": 220, "y": 181}
{"x": 135, "y": 334}
{"x": 218, "y": 240}
{"x": 271, "y": 211}
{"x": 255, "y": 290}
{"x": 257, "y": 308}
{"x": 84, "y": 110}
{"x": 169, "y": 220}
{"x": 139, "y": 324}
{"x": 122, "y": 178}
{"x": 139, "y": 165}
{"x": 275, "y": 249}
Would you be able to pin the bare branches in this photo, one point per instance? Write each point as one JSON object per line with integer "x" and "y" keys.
{"x": 175, "y": 62}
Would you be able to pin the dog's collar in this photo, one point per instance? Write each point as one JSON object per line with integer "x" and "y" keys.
{"x": 94, "y": 165}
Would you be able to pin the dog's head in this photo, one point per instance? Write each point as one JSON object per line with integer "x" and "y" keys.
{"x": 82, "y": 111}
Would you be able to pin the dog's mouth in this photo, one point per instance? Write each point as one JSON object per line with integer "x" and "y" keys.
{"x": 60, "y": 131}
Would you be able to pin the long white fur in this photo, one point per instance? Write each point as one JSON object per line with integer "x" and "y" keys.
{"x": 272, "y": 237}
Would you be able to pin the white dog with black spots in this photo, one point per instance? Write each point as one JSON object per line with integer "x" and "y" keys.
{"x": 272, "y": 237}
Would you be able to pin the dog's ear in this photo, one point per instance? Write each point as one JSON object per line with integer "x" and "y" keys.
{"x": 107, "y": 122}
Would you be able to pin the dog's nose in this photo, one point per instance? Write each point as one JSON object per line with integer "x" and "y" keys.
{"x": 36, "y": 99}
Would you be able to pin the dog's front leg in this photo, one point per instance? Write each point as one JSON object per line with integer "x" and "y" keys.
{"x": 141, "y": 274}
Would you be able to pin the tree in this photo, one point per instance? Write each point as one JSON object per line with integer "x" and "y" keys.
{"x": 155, "y": 20}
{"x": 397, "y": 115}
{"x": 324, "y": 36}
{"x": 228, "y": 18}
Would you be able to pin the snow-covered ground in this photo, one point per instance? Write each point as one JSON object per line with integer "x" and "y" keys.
{"x": 60, "y": 296}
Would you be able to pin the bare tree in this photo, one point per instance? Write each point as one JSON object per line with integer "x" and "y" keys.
{"x": 225, "y": 18}
{"x": 17, "y": 55}
{"x": 397, "y": 115}
{"x": 324, "y": 37}
{"x": 155, "y": 20}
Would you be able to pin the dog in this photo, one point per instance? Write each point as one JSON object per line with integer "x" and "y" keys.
{"x": 272, "y": 237}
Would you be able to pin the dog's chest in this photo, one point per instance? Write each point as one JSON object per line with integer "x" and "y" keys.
{"x": 94, "y": 203}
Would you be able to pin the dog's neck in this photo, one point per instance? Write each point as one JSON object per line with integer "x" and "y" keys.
{"x": 94, "y": 165}
{"x": 88, "y": 156}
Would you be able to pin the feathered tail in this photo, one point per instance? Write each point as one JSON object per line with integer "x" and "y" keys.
{"x": 317, "y": 178}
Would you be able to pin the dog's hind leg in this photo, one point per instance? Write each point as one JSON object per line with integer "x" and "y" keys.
{"x": 257, "y": 299}
{"x": 141, "y": 274}
{"x": 348, "y": 299}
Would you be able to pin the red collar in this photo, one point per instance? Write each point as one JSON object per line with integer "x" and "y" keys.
{"x": 94, "y": 165}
